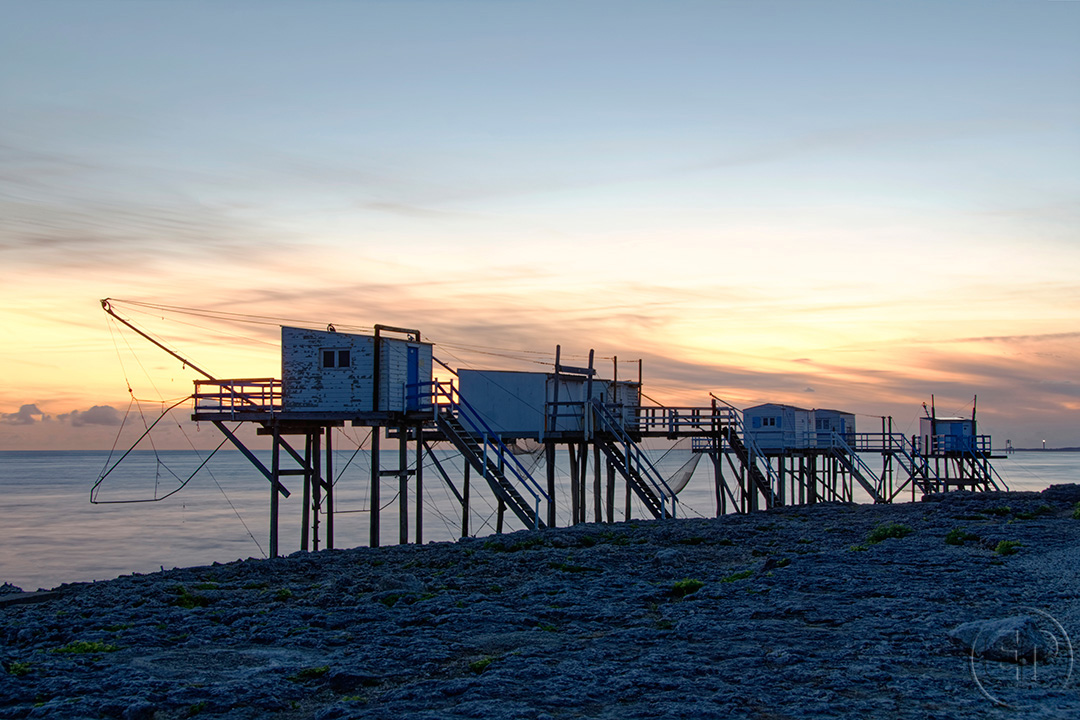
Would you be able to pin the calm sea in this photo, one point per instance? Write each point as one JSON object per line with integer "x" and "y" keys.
{"x": 51, "y": 532}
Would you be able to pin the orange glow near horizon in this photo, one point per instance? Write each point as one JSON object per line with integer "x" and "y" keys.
{"x": 909, "y": 231}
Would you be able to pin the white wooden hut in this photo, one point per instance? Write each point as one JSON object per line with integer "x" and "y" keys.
{"x": 522, "y": 404}
{"x": 334, "y": 372}
{"x": 826, "y": 423}
{"x": 777, "y": 427}
{"x": 511, "y": 403}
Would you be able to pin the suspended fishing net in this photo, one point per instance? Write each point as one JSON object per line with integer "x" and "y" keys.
{"x": 682, "y": 476}
{"x": 526, "y": 446}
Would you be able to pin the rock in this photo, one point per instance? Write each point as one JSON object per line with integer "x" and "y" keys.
{"x": 1011, "y": 639}
{"x": 346, "y": 681}
{"x": 402, "y": 583}
{"x": 8, "y": 588}
{"x": 1067, "y": 493}
{"x": 668, "y": 557}
{"x": 139, "y": 711}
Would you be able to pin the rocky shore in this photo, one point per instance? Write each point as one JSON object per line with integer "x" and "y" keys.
{"x": 826, "y": 611}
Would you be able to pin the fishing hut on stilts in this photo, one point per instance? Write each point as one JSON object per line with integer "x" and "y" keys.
{"x": 762, "y": 457}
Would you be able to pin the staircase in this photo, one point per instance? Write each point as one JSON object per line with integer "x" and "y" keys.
{"x": 487, "y": 454}
{"x": 749, "y": 461}
{"x": 628, "y": 458}
{"x": 919, "y": 471}
{"x": 982, "y": 470}
{"x": 859, "y": 470}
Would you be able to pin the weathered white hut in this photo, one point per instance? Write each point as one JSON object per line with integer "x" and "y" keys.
{"x": 527, "y": 404}
{"x": 829, "y": 422}
{"x": 511, "y": 403}
{"x": 777, "y": 427}
{"x": 334, "y": 372}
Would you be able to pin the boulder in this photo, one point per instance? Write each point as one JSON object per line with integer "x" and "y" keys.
{"x": 1067, "y": 493}
{"x": 1011, "y": 639}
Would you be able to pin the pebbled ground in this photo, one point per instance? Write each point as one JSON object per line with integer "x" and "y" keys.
{"x": 790, "y": 613}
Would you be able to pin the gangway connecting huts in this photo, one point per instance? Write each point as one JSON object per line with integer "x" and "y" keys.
{"x": 761, "y": 457}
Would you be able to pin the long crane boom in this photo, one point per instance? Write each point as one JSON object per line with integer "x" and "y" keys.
{"x": 106, "y": 305}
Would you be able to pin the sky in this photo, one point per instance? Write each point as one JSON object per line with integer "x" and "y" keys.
{"x": 825, "y": 203}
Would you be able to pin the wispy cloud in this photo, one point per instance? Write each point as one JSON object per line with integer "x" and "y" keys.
{"x": 62, "y": 211}
{"x": 96, "y": 415}
{"x": 25, "y": 415}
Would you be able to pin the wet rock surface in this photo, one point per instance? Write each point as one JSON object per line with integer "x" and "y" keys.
{"x": 823, "y": 611}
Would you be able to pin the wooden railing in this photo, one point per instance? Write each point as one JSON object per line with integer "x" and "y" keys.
{"x": 237, "y": 397}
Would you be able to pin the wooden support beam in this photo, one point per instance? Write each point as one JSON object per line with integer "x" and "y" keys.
{"x": 443, "y": 473}
{"x": 549, "y": 461}
{"x": 501, "y": 516}
{"x": 272, "y": 477}
{"x": 305, "y": 511}
{"x": 419, "y": 488}
{"x": 598, "y": 494}
{"x": 275, "y": 467}
{"x": 465, "y": 501}
{"x": 574, "y": 470}
{"x": 403, "y": 487}
{"x": 316, "y": 486}
{"x": 610, "y": 491}
{"x": 373, "y": 529}
{"x": 329, "y": 485}
{"x": 583, "y": 458}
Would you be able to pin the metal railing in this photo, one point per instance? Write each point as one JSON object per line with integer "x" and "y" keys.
{"x": 633, "y": 455}
{"x": 940, "y": 444}
{"x": 838, "y": 442}
{"x": 439, "y": 397}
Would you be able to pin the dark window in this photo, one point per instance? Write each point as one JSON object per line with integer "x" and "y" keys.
{"x": 336, "y": 358}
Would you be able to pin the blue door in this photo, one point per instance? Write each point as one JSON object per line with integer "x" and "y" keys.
{"x": 412, "y": 379}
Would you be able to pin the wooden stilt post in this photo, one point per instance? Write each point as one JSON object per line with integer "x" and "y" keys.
{"x": 419, "y": 486}
{"x": 549, "y": 461}
{"x": 329, "y": 488}
{"x": 744, "y": 490}
{"x": 574, "y": 469}
{"x": 316, "y": 486}
{"x": 583, "y": 458}
{"x": 610, "y": 491}
{"x": 374, "y": 529}
{"x": 781, "y": 479}
{"x": 587, "y": 430}
{"x": 718, "y": 478}
{"x": 403, "y": 486}
{"x": 502, "y": 504}
{"x": 275, "y": 471}
{"x": 802, "y": 480}
{"x": 598, "y": 494}
{"x": 465, "y": 501}
{"x": 305, "y": 513}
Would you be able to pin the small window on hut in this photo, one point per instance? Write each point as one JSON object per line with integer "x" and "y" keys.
{"x": 336, "y": 359}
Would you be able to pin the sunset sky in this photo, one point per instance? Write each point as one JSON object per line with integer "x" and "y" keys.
{"x": 853, "y": 205}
